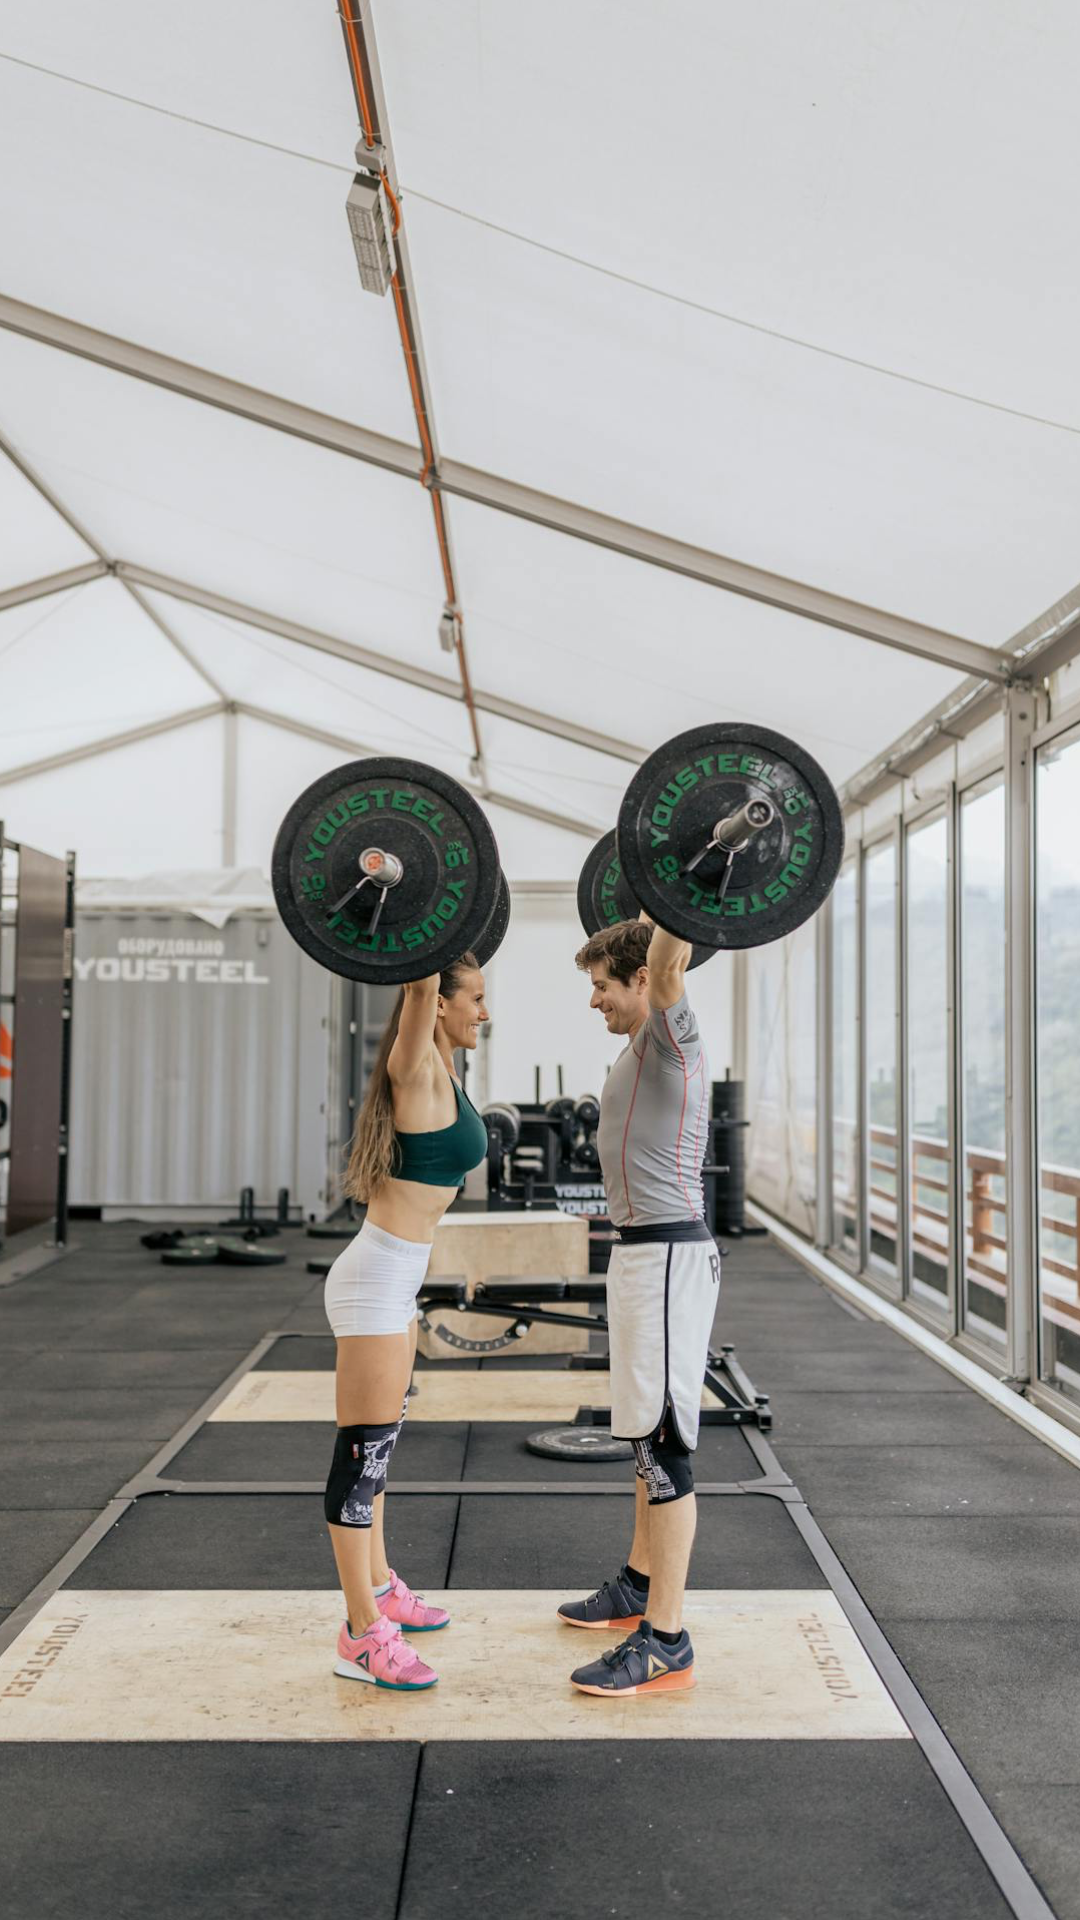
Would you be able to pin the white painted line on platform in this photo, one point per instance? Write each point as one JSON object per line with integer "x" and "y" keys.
{"x": 503, "y": 1395}
{"x": 220, "y": 1665}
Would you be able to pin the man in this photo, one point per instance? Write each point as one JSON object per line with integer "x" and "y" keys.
{"x": 662, "y": 1290}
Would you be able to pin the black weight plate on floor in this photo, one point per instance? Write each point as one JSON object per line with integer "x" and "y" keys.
{"x": 444, "y": 899}
{"x": 604, "y": 897}
{"x": 334, "y": 1230}
{"x": 494, "y": 933}
{"x": 672, "y": 805}
{"x": 579, "y": 1443}
{"x": 191, "y": 1253}
{"x": 246, "y": 1253}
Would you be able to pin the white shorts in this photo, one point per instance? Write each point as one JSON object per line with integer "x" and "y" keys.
{"x": 661, "y": 1303}
{"x": 373, "y": 1283}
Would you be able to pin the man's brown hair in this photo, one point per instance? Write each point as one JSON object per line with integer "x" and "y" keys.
{"x": 622, "y": 948}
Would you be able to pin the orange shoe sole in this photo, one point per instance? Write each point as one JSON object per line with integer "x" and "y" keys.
{"x": 605, "y": 1626}
{"x": 664, "y": 1683}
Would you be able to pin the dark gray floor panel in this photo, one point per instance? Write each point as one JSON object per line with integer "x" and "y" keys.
{"x": 795, "y": 1319}
{"x": 120, "y": 1832}
{"x": 71, "y": 1369}
{"x": 790, "y": 1830}
{"x": 497, "y": 1451}
{"x": 1042, "y": 1825}
{"x": 1005, "y": 1692}
{"x": 743, "y": 1541}
{"x": 51, "y": 1474}
{"x": 257, "y": 1541}
{"x": 1022, "y": 1477}
{"x": 300, "y": 1355}
{"x": 86, "y": 1415}
{"x": 302, "y": 1449}
{"x": 1006, "y": 1568}
{"x": 31, "y": 1543}
{"x": 836, "y": 1368}
{"x": 887, "y": 1419}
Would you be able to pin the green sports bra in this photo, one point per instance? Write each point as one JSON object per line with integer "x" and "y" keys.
{"x": 443, "y": 1157}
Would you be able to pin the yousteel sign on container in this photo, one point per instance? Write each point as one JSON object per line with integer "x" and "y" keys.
{"x": 216, "y": 1052}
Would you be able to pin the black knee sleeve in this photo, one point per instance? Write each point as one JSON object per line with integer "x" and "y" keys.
{"x": 358, "y": 1473}
{"x": 664, "y": 1464}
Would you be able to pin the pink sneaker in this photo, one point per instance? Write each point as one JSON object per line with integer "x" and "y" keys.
{"x": 382, "y": 1658}
{"x": 409, "y": 1609}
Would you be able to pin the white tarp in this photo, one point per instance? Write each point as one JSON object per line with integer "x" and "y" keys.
{"x": 792, "y": 284}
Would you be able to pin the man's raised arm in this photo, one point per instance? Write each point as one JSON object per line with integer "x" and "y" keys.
{"x": 668, "y": 959}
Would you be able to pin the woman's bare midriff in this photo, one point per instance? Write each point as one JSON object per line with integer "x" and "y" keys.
{"x": 410, "y": 1209}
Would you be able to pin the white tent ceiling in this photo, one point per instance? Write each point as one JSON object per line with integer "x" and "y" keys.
{"x": 787, "y": 285}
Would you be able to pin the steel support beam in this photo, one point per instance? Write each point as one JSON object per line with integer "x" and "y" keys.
{"x": 229, "y": 786}
{"x": 52, "y": 583}
{"x": 716, "y": 570}
{"x": 30, "y": 768}
{"x": 503, "y": 495}
{"x": 1021, "y": 1171}
{"x": 215, "y": 390}
{"x": 344, "y": 743}
{"x": 374, "y": 662}
{"x": 1047, "y": 643}
{"x": 104, "y": 562}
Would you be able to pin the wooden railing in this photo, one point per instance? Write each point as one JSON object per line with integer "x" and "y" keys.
{"x": 986, "y": 1210}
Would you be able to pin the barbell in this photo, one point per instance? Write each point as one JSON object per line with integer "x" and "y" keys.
{"x": 386, "y": 870}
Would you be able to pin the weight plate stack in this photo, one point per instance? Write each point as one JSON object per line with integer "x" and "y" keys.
{"x": 425, "y": 823}
{"x": 604, "y": 896}
{"x": 494, "y": 933}
{"x": 772, "y": 883}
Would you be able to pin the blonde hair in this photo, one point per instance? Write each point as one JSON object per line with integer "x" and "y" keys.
{"x": 622, "y": 948}
{"x": 374, "y": 1157}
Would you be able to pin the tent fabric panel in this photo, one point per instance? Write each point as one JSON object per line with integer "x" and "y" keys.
{"x": 821, "y": 472}
{"x": 274, "y": 767}
{"x": 889, "y": 181}
{"x": 549, "y": 772}
{"x": 644, "y": 654}
{"x": 34, "y": 539}
{"x": 230, "y": 256}
{"x": 82, "y": 666}
{"x": 319, "y": 690}
{"x": 195, "y": 493}
{"x": 151, "y": 806}
{"x": 279, "y": 79}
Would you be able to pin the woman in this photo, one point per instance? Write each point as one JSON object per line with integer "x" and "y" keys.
{"x": 417, "y": 1136}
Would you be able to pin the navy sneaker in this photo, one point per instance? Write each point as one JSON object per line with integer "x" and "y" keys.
{"x": 642, "y": 1664}
{"x": 618, "y": 1602}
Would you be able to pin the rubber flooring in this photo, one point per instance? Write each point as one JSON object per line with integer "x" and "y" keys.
{"x": 956, "y": 1526}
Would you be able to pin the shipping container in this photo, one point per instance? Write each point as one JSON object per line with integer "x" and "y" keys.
{"x": 206, "y": 1059}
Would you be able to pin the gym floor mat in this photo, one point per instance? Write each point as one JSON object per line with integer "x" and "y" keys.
{"x": 129, "y": 1830}
{"x": 546, "y": 1397}
{"x": 503, "y": 1540}
{"x": 497, "y": 1451}
{"x": 802, "y": 1830}
{"x": 236, "y": 1665}
{"x": 301, "y": 1450}
{"x": 258, "y": 1541}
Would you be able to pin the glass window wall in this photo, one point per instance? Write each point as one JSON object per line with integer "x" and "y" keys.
{"x": 929, "y": 1145}
{"x": 1057, "y": 1020}
{"x": 984, "y": 1281}
{"x": 845, "y": 1062}
{"x": 879, "y": 870}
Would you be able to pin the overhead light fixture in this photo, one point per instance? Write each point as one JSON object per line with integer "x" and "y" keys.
{"x": 370, "y": 223}
{"x": 448, "y": 634}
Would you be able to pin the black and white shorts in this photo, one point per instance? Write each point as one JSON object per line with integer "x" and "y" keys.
{"x": 662, "y": 1295}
